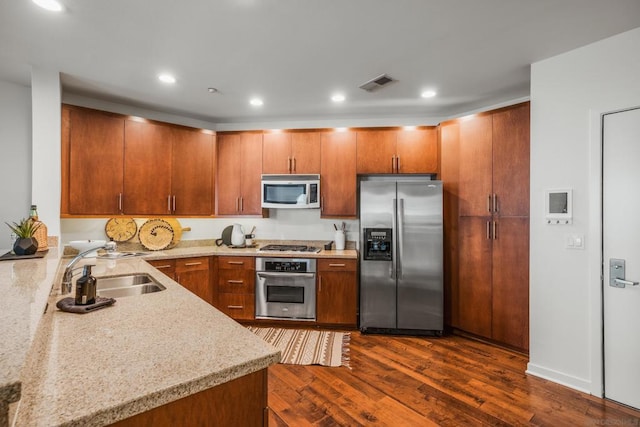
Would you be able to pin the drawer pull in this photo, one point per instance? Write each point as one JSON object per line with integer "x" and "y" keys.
{"x": 337, "y": 265}
{"x": 236, "y": 282}
{"x": 235, "y": 262}
{"x": 160, "y": 267}
{"x": 190, "y": 264}
{"x": 235, "y": 307}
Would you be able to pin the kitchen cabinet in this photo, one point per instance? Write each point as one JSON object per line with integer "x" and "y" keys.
{"x": 397, "y": 151}
{"x": 493, "y": 226}
{"x": 338, "y": 174}
{"x": 293, "y": 152}
{"x": 239, "y": 169}
{"x": 337, "y": 292}
{"x": 92, "y": 162}
{"x": 192, "y": 273}
{"x": 236, "y": 287}
{"x": 167, "y": 170}
{"x": 114, "y": 164}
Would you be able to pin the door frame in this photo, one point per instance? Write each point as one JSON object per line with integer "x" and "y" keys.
{"x": 595, "y": 251}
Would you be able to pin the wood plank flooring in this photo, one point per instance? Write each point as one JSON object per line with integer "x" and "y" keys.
{"x": 448, "y": 381}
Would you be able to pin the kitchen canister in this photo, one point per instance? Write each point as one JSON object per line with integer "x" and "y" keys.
{"x": 340, "y": 240}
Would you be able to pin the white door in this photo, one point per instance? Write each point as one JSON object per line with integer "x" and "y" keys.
{"x": 621, "y": 252}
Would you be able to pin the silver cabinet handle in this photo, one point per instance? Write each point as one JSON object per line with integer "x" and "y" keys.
{"x": 159, "y": 267}
{"x": 495, "y": 202}
{"x": 337, "y": 265}
{"x": 235, "y": 262}
{"x": 489, "y": 203}
{"x": 320, "y": 284}
{"x": 235, "y": 307}
{"x": 235, "y": 282}
{"x": 398, "y": 164}
{"x": 120, "y": 202}
{"x": 495, "y": 227}
{"x": 174, "y": 203}
{"x": 488, "y": 230}
{"x": 393, "y": 164}
{"x": 169, "y": 203}
{"x": 241, "y": 204}
{"x": 622, "y": 283}
{"x": 189, "y": 264}
{"x": 289, "y": 164}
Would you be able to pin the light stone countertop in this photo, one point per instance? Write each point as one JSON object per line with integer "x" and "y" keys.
{"x": 143, "y": 352}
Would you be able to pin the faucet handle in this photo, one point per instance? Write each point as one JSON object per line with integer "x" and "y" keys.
{"x": 110, "y": 246}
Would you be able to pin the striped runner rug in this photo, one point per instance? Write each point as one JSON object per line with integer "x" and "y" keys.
{"x": 307, "y": 347}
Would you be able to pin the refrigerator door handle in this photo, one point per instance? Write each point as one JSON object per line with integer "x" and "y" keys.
{"x": 400, "y": 235}
{"x": 394, "y": 238}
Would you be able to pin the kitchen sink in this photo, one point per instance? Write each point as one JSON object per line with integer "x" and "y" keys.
{"x": 127, "y": 285}
{"x": 116, "y": 255}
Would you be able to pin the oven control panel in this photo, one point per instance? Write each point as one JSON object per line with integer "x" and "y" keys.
{"x": 288, "y": 266}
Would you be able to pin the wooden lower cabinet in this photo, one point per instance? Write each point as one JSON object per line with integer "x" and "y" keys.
{"x": 493, "y": 290}
{"x": 240, "y": 402}
{"x": 236, "y": 287}
{"x": 192, "y": 273}
{"x": 337, "y": 292}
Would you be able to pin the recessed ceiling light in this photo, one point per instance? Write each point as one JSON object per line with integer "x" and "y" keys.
{"x": 340, "y": 129}
{"x": 212, "y": 90}
{"x": 428, "y": 93}
{"x": 52, "y": 5}
{"x": 338, "y": 97}
{"x": 256, "y": 102}
{"x": 167, "y": 78}
{"x": 409, "y": 128}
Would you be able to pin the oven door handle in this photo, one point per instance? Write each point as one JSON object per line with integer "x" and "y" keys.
{"x": 270, "y": 274}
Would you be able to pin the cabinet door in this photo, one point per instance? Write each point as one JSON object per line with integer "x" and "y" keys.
{"x": 305, "y": 152}
{"x": 376, "y": 151}
{"x": 192, "y": 172}
{"x": 511, "y": 282}
{"x": 276, "y": 153}
{"x": 96, "y": 155}
{"x": 337, "y": 293}
{"x": 147, "y": 168}
{"x": 338, "y": 185}
{"x": 417, "y": 151}
{"x": 250, "y": 163}
{"x": 193, "y": 274}
{"x": 228, "y": 179}
{"x": 475, "y": 165}
{"x": 511, "y": 161}
{"x": 474, "y": 287}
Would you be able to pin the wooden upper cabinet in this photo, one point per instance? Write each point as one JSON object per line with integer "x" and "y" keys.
{"x": 305, "y": 151}
{"x": 338, "y": 174}
{"x": 475, "y": 166}
{"x": 397, "y": 151}
{"x": 192, "y": 172}
{"x": 291, "y": 152}
{"x": 276, "y": 152}
{"x": 511, "y": 161}
{"x": 147, "y": 168}
{"x": 239, "y": 172}
{"x": 376, "y": 151}
{"x": 417, "y": 151}
{"x": 93, "y": 153}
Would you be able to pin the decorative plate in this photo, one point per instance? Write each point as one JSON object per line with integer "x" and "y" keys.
{"x": 156, "y": 234}
{"x": 121, "y": 229}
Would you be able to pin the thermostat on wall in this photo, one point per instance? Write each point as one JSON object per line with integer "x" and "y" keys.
{"x": 558, "y": 206}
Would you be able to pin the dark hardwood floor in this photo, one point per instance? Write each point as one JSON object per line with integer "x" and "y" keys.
{"x": 449, "y": 381}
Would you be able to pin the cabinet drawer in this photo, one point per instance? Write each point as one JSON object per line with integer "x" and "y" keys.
{"x": 237, "y": 306}
{"x": 337, "y": 265}
{"x": 236, "y": 282}
{"x": 192, "y": 264}
{"x": 236, "y": 263}
{"x": 167, "y": 266}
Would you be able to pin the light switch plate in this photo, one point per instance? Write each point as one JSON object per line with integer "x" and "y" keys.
{"x": 574, "y": 241}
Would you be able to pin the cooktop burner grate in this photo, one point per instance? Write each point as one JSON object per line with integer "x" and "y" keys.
{"x": 290, "y": 248}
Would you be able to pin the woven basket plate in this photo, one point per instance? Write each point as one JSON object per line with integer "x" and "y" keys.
{"x": 155, "y": 234}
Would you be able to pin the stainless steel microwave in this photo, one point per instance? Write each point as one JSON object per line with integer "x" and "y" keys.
{"x": 291, "y": 191}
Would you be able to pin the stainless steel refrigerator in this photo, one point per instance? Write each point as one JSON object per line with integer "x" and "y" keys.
{"x": 401, "y": 259}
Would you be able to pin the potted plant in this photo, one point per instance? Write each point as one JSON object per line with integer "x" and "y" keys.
{"x": 25, "y": 244}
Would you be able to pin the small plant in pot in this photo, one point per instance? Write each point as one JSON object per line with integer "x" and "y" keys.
{"x": 25, "y": 244}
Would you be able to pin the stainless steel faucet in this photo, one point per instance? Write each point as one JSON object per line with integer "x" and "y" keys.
{"x": 66, "y": 285}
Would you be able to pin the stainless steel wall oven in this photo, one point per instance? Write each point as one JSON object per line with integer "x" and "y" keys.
{"x": 286, "y": 288}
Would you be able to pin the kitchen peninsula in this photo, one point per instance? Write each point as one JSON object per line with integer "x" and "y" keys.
{"x": 140, "y": 356}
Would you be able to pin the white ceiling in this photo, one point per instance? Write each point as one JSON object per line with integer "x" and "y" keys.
{"x": 296, "y": 53}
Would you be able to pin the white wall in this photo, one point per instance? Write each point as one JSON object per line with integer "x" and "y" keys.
{"x": 15, "y": 157}
{"x": 567, "y": 93}
{"x": 46, "y": 149}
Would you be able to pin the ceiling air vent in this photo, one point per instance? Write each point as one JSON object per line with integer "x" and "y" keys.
{"x": 377, "y": 83}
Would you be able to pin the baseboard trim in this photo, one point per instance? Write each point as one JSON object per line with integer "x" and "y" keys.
{"x": 570, "y": 381}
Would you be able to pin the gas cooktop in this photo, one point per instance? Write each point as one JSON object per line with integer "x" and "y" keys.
{"x": 290, "y": 248}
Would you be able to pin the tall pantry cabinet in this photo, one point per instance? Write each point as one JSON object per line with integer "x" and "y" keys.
{"x": 490, "y": 186}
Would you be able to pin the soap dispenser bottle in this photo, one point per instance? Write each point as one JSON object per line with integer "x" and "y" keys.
{"x": 86, "y": 287}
